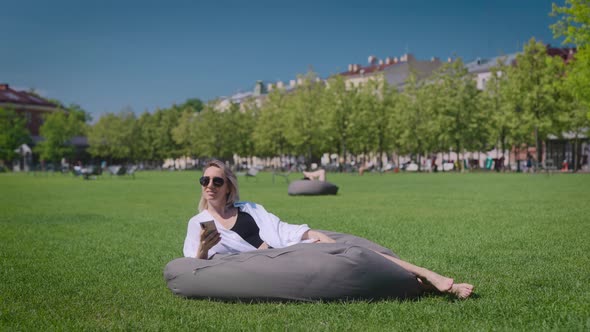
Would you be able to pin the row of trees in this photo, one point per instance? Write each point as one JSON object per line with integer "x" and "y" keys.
{"x": 520, "y": 106}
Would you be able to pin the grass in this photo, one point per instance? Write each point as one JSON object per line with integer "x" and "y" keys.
{"x": 89, "y": 255}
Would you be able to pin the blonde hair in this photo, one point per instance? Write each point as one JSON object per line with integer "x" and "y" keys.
{"x": 232, "y": 184}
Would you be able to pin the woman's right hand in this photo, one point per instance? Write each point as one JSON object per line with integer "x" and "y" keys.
{"x": 206, "y": 242}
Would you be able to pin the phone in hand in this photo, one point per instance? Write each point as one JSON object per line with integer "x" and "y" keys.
{"x": 209, "y": 227}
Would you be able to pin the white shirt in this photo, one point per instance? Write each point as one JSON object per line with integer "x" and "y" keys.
{"x": 273, "y": 231}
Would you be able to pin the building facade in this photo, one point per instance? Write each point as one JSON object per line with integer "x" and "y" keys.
{"x": 395, "y": 71}
{"x": 30, "y": 106}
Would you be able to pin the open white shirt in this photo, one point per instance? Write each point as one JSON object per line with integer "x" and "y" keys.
{"x": 273, "y": 231}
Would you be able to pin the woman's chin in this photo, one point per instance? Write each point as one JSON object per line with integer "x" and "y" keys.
{"x": 212, "y": 198}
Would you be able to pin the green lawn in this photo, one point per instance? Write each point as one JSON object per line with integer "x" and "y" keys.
{"x": 89, "y": 255}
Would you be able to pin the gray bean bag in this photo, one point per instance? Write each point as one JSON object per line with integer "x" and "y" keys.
{"x": 312, "y": 187}
{"x": 346, "y": 270}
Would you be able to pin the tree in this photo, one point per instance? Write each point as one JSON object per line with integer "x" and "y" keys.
{"x": 361, "y": 121}
{"x": 244, "y": 122}
{"x": 536, "y": 79}
{"x": 81, "y": 115}
{"x": 269, "y": 132}
{"x": 13, "y": 133}
{"x": 165, "y": 146}
{"x": 379, "y": 99}
{"x": 431, "y": 100}
{"x": 212, "y": 132}
{"x": 57, "y": 131}
{"x": 574, "y": 24}
{"x": 147, "y": 135}
{"x": 339, "y": 104}
{"x": 578, "y": 77}
{"x": 573, "y": 121}
{"x": 413, "y": 119}
{"x": 193, "y": 105}
{"x": 114, "y": 136}
{"x": 306, "y": 118}
{"x": 495, "y": 105}
{"x": 184, "y": 135}
{"x": 458, "y": 92}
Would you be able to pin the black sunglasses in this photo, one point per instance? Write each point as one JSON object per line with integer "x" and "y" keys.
{"x": 217, "y": 181}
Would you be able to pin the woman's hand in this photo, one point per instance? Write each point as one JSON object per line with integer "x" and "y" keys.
{"x": 320, "y": 237}
{"x": 206, "y": 242}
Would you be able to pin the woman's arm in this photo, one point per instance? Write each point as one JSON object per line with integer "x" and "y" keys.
{"x": 321, "y": 237}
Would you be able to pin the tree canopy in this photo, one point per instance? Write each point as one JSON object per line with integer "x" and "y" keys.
{"x": 13, "y": 133}
{"x": 574, "y": 25}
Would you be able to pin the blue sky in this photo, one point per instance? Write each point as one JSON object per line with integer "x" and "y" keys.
{"x": 110, "y": 55}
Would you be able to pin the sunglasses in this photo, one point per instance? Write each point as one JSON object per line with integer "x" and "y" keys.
{"x": 217, "y": 181}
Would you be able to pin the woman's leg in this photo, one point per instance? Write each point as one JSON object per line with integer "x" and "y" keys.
{"x": 441, "y": 283}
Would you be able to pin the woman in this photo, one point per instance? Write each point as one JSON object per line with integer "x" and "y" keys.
{"x": 245, "y": 226}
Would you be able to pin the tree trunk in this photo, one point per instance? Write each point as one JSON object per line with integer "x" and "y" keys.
{"x": 479, "y": 159}
{"x": 575, "y": 166}
{"x": 503, "y": 149}
{"x": 380, "y": 156}
{"x": 518, "y": 170}
{"x": 509, "y": 160}
{"x": 459, "y": 166}
{"x": 340, "y": 165}
{"x": 419, "y": 162}
{"x": 538, "y": 148}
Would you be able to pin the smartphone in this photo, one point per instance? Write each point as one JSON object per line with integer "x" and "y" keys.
{"x": 209, "y": 227}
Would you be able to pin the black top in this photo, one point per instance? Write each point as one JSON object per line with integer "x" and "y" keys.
{"x": 246, "y": 228}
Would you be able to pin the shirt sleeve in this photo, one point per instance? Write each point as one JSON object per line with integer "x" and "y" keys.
{"x": 191, "y": 242}
{"x": 290, "y": 234}
{"x": 277, "y": 233}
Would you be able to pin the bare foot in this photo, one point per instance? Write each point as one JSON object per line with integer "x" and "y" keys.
{"x": 442, "y": 284}
{"x": 461, "y": 291}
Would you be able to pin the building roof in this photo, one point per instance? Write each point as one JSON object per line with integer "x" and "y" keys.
{"x": 485, "y": 65}
{"x": 369, "y": 69}
{"x": 567, "y": 54}
{"x": 11, "y": 96}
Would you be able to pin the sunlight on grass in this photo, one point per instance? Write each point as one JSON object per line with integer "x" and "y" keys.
{"x": 89, "y": 254}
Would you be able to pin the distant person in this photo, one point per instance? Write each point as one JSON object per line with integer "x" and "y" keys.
{"x": 64, "y": 165}
{"x": 500, "y": 164}
{"x": 319, "y": 175}
{"x": 246, "y": 226}
{"x": 565, "y": 166}
{"x": 367, "y": 166}
{"x": 529, "y": 163}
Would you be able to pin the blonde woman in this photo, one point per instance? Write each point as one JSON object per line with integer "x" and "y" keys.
{"x": 246, "y": 226}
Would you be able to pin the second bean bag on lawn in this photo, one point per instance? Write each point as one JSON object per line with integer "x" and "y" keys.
{"x": 312, "y": 187}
